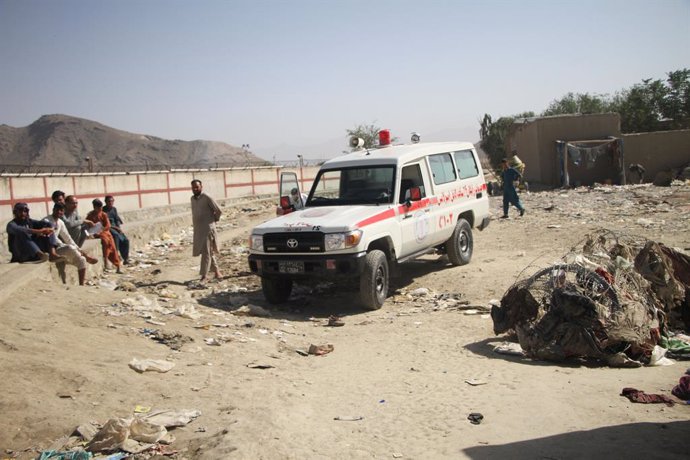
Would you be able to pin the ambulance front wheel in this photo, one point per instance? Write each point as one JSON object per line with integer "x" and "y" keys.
{"x": 374, "y": 281}
{"x": 276, "y": 290}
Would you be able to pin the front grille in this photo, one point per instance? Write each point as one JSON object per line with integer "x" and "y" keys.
{"x": 294, "y": 242}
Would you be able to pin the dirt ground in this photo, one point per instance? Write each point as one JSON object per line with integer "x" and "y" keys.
{"x": 395, "y": 384}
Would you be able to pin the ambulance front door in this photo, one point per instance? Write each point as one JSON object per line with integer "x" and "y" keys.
{"x": 414, "y": 212}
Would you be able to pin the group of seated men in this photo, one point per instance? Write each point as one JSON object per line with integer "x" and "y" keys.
{"x": 59, "y": 236}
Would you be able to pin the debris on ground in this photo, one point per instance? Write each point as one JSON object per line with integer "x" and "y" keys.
{"x": 320, "y": 350}
{"x": 156, "y": 365}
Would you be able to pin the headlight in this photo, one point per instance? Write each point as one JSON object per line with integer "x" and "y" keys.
{"x": 336, "y": 241}
{"x": 256, "y": 242}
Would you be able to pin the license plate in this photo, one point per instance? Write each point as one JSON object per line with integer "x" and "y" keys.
{"x": 291, "y": 266}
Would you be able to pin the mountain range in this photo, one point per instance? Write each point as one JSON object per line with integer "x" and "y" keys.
{"x": 63, "y": 142}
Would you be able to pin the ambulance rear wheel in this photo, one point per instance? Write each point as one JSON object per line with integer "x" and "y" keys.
{"x": 373, "y": 283}
{"x": 459, "y": 245}
{"x": 276, "y": 290}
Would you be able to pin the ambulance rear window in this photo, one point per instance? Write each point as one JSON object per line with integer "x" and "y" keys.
{"x": 467, "y": 167}
{"x": 442, "y": 168}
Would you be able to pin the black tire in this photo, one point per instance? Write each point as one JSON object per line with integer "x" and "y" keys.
{"x": 374, "y": 281}
{"x": 276, "y": 290}
{"x": 459, "y": 245}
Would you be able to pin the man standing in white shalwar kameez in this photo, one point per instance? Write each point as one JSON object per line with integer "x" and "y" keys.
{"x": 205, "y": 214}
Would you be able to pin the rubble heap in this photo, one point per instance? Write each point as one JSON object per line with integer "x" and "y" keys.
{"x": 611, "y": 299}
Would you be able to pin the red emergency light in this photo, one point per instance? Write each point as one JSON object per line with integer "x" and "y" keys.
{"x": 384, "y": 137}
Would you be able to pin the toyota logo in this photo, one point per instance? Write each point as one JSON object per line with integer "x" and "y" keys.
{"x": 292, "y": 243}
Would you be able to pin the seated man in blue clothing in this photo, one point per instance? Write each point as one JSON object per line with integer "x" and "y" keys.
{"x": 121, "y": 240}
{"x": 30, "y": 240}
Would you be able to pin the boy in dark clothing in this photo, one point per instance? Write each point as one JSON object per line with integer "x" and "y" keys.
{"x": 510, "y": 195}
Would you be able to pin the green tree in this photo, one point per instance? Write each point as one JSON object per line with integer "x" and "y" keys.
{"x": 369, "y": 133}
{"x": 676, "y": 103}
{"x": 578, "y": 103}
{"x": 493, "y": 135}
{"x": 648, "y": 106}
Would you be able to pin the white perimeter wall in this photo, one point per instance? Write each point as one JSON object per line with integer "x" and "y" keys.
{"x": 142, "y": 190}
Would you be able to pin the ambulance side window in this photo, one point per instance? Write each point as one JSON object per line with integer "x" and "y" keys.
{"x": 411, "y": 176}
{"x": 442, "y": 168}
{"x": 467, "y": 166}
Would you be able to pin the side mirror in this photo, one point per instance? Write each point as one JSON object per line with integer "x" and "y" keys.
{"x": 285, "y": 202}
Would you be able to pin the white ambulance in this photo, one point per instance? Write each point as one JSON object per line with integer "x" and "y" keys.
{"x": 369, "y": 211}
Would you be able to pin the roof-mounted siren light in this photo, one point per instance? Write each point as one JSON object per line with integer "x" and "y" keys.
{"x": 356, "y": 143}
{"x": 384, "y": 138}
{"x": 415, "y": 137}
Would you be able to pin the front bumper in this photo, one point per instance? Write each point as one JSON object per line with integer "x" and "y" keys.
{"x": 322, "y": 266}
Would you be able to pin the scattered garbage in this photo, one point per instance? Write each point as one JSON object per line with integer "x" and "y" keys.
{"x": 640, "y": 396}
{"x": 320, "y": 350}
{"x": 173, "y": 339}
{"x": 475, "y": 418}
{"x": 509, "y": 348}
{"x": 107, "y": 284}
{"x": 682, "y": 390}
{"x": 188, "y": 311}
{"x": 156, "y": 365}
{"x": 170, "y": 418}
{"x": 71, "y": 455}
{"x": 335, "y": 321}
{"x": 259, "y": 366}
{"x": 420, "y": 292}
{"x": 251, "y": 310}
{"x": 348, "y": 418}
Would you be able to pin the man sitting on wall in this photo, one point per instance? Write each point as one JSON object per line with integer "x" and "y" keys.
{"x": 66, "y": 247}
{"x": 74, "y": 223}
{"x": 30, "y": 240}
{"x": 58, "y": 196}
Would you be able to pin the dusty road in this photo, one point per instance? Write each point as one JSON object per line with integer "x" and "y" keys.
{"x": 396, "y": 378}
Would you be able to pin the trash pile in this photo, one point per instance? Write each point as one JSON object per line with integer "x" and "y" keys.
{"x": 613, "y": 298}
{"x": 147, "y": 431}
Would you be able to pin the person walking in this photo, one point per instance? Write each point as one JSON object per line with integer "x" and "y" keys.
{"x": 205, "y": 214}
{"x": 510, "y": 195}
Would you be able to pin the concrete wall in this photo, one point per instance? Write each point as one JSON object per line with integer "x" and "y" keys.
{"x": 140, "y": 190}
{"x": 657, "y": 151}
{"x": 535, "y": 140}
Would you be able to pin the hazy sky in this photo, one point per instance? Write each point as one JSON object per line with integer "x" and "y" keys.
{"x": 292, "y": 76}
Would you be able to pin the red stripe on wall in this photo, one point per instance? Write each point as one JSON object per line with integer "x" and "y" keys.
{"x": 87, "y": 196}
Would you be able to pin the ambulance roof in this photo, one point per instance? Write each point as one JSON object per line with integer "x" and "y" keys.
{"x": 394, "y": 154}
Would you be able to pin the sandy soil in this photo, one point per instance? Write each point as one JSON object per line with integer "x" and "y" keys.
{"x": 397, "y": 377}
